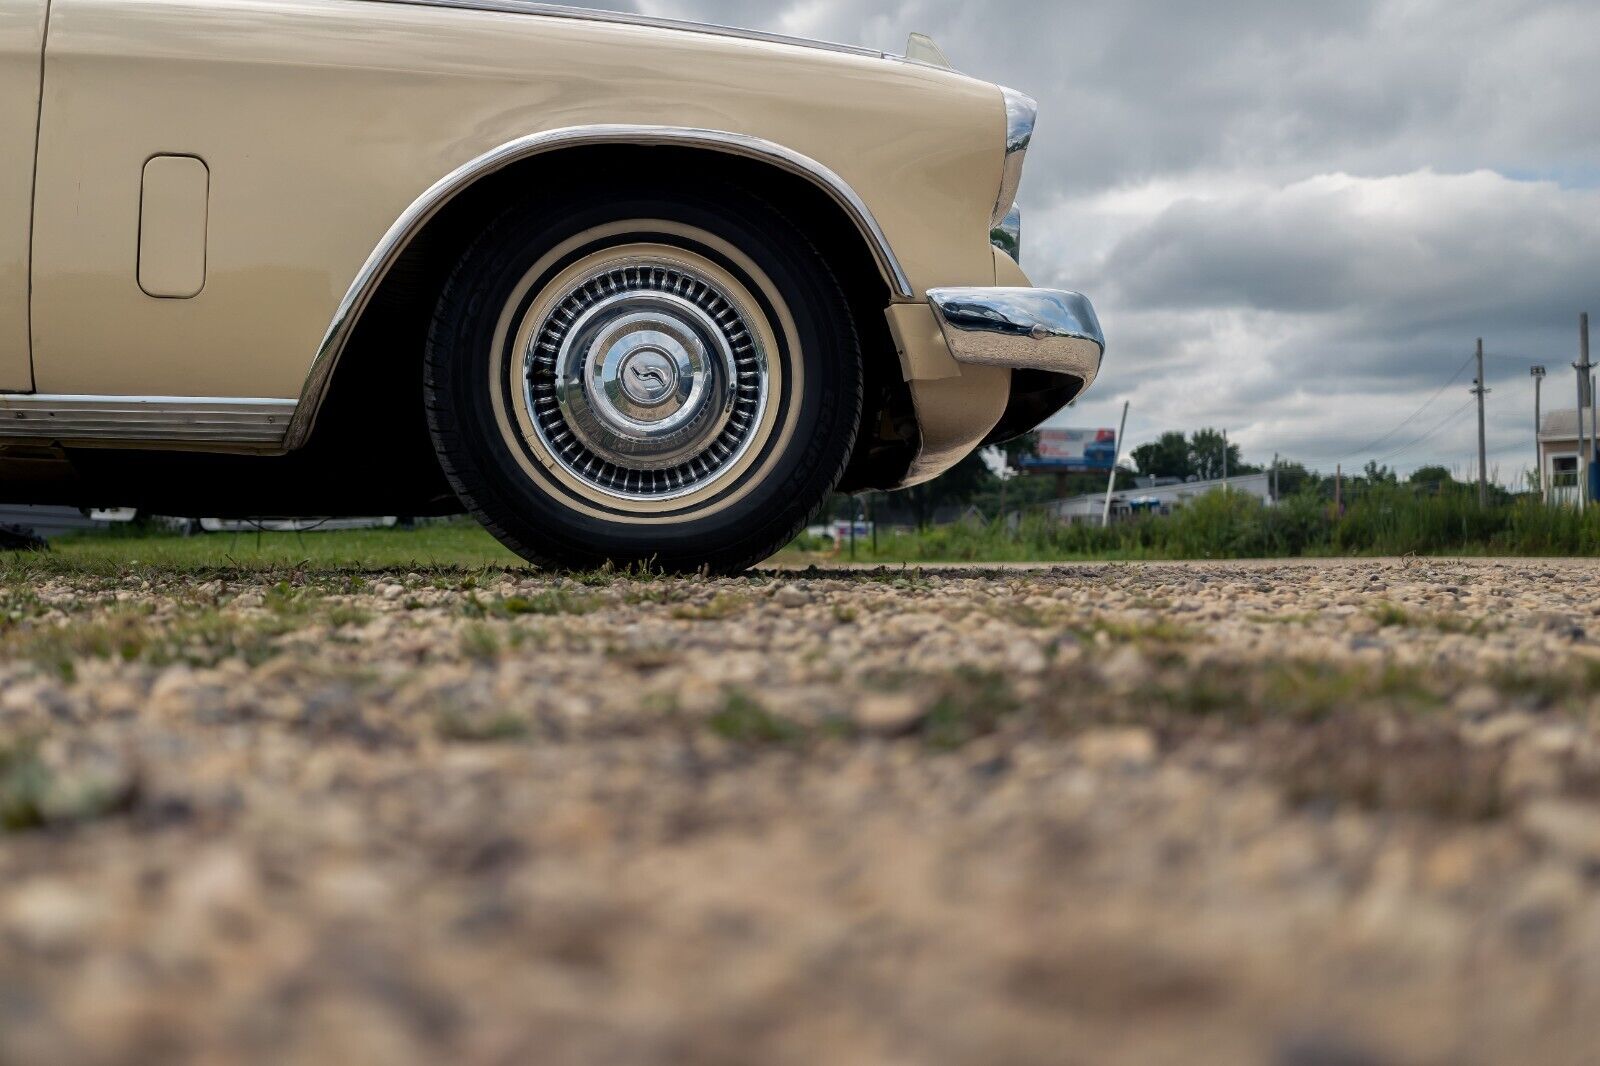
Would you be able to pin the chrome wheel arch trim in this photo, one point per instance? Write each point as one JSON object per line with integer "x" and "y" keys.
{"x": 435, "y": 199}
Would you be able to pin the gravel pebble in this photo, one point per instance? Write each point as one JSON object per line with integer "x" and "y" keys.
{"x": 1333, "y": 812}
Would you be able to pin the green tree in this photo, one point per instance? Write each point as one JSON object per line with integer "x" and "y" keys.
{"x": 1167, "y": 456}
{"x": 1206, "y": 450}
{"x": 1294, "y": 477}
{"x": 1379, "y": 475}
{"x": 1431, "y": 476}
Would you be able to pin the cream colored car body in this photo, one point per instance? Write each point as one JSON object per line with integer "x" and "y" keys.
{"x": 21, "y": 48}
{"x": 220, "y": 185}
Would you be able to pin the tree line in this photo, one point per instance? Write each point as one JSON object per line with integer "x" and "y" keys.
{"x": 993, "y": 481}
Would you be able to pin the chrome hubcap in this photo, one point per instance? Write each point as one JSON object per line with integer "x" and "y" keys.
{"x": 650, "y": 376}
{"x": 645, "y": 381}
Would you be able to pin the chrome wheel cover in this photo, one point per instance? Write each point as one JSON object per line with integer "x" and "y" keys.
{"x": 646, "y": 382}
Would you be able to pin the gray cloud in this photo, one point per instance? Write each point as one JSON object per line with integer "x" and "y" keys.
{"x": 1295, "y": 218}
{"x": 1383, "y": 258}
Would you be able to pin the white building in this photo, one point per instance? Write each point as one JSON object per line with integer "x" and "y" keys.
{"x": 1158, "y": 499}
{"x": 1559, "y": 454}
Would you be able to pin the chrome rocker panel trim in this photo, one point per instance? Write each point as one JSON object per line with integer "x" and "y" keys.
{"x": 145, "y": 419}
{"x": 447, "y": 188}
{"x": 1024, "y": 329}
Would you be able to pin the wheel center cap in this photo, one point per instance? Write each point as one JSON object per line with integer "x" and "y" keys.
{"x": 649, "y": 377}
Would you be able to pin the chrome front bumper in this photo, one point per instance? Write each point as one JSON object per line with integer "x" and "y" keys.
{"x": 1024, "y": 329}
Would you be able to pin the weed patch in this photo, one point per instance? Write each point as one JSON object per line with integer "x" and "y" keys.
{"x": 32, "y": 796}
{"x": 744, "y": 721}
{"x": 720, "y": 607}
{"x": 465, "y": 728}
{"x": 973, "y": 705}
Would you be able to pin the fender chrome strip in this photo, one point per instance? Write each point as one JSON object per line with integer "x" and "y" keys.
{"x": 627, "y": 18}
{"x": 436, "y": 198}
{"x": 145, "y": 419}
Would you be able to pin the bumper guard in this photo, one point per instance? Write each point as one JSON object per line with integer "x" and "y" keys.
{"x": 1024, "y": 329}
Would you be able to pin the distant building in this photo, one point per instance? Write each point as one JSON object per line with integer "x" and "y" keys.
{"x": 1157, "y": 498}
{"x": 1559, "y": 454}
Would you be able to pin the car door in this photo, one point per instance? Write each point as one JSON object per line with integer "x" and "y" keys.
{"x": 187, "y": 159}
{"x": 213, "y": 174}
{"x": 22, "y": 28}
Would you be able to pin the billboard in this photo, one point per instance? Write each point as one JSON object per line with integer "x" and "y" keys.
{"x": 1075, "y": 451}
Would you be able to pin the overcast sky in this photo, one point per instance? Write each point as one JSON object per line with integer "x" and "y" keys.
{"x": 1294, "y": 217}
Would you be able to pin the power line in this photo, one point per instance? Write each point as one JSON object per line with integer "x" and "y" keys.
{"x": 1435, "y": 431}
{"x": 1408, "y": 420}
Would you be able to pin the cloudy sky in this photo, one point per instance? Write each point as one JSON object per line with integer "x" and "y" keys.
{"x": 1294, "y": 217}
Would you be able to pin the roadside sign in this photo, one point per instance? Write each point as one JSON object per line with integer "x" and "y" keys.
{"x": 1075, "y": 450}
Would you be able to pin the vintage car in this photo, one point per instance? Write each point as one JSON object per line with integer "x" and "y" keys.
{"x": 624, "y": 289}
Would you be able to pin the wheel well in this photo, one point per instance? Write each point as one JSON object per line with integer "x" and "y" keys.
{"x": 375, "y": 394}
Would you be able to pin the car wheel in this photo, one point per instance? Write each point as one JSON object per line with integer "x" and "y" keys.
{"x": 669, "y": 380}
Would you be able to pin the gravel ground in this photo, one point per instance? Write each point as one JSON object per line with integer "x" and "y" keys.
{"x": 1302, "y": 815}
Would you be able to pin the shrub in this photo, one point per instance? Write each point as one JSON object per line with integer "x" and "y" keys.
{"x": 1381, "y": 520}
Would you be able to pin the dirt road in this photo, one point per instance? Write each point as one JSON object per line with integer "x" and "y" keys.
{"x": 1308, "y": 815}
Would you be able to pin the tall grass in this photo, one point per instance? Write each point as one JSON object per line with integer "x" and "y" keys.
{"x": 1382, "y": 520}
{"x": 1385, "y": 520}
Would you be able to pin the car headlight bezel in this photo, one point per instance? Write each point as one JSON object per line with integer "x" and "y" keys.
{"x": 1022, "y": 116}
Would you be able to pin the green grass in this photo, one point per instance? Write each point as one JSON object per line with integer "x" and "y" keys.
{"x": 199, "y": 638}
{"x": 1392, "y": 615}
{"x": 973, "y": 705}
{"x": 1384, "y": 521}
{"x": 451, "y": 545}
{"x": 744, "y": 721}
{"x": 549, "y": 603}
{"x": 24, "y": 782}
{"x": 33, "y": 796}
{"x": 464, "y": 728}
{"x": 721, "y": 606}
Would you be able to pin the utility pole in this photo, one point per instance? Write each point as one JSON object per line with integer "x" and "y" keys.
{"x": 1111, "y": 484}
{"x": 1338, "y": 491}
{"x": 1585, "y": 403}
{"x": 1224, "y": 461}
{"x": 1538, "y": 373}
{"x": 1480, "y": 392}
{"x": 1275, "y": 477}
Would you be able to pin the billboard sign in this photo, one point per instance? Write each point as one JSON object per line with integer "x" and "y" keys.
{"x": 1075, "y": 451}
